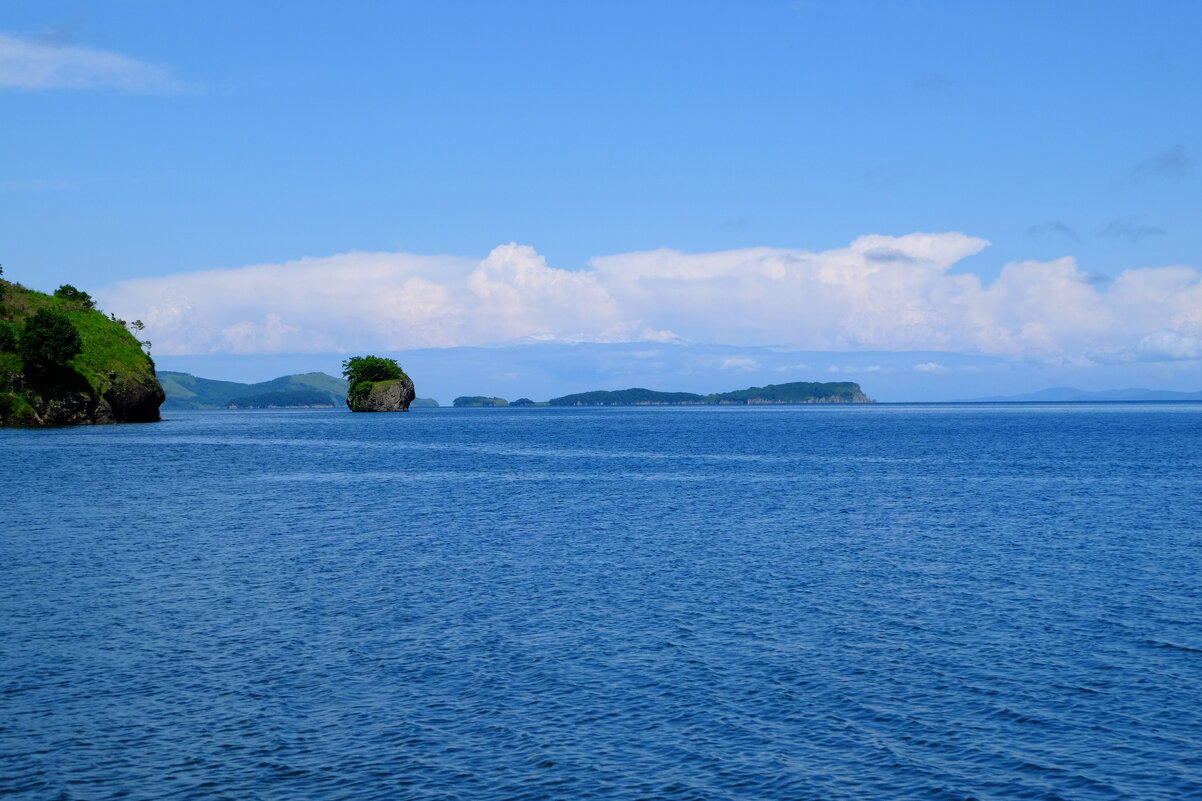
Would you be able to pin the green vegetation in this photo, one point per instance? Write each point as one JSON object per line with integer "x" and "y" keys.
{"x": 186, "y": 391}
{"x": 478, "y": 400}
{"x": 363, "y": 373}
{"x": 63, "y": 362}
{"x": 48, "y": 341}
{"x": 428, "y": 403}
{"x": 370, "y": 368}
{"x": 8, "y": 336}
{"x": 76, "y": 297}
{"x": 797, "y": 392}
{"x": 629, "y": 397}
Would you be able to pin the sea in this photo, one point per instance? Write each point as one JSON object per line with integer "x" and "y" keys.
{"x": 775, "y": 602}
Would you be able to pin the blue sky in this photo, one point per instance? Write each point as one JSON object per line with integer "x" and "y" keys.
{"x": 144, "y": 141}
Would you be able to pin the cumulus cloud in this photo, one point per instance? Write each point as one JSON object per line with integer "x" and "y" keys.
{"x": 930, "y": 367}
{"x": 386, "y": 301}
{"x": 1169, "y": 345}
{"x": 879, "y": 293}
{"x": 32, "y": 64}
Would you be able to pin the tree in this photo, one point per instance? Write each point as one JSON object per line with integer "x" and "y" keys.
{"x": 73, "y": 295}
{"x": 358, "y": 369}
{"x": 48, "y": 341}
{"x": 8, "y": 337}
{"x": 3, "y": 286}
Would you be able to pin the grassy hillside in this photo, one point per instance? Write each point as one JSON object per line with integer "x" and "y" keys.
{"x": 186, "y": 391}
{"x": 111, "y": 364}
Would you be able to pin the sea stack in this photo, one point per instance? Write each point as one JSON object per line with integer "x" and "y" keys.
{"x": 393, "y": 395}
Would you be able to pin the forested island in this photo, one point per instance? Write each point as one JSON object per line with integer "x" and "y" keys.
{"x": 465, "y": 401}
{"x": 63, "y": 362}
{"x": 796, "y": 392}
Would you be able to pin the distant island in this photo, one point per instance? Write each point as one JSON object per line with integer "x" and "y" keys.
{"x": 477, "y": 401}
{"x": 796, "y": 392}
{"x": 300, "y": 391}
{"x": 63, "y": 362}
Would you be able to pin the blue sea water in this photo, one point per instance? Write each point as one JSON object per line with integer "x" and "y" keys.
{"x": 877, "y": 602}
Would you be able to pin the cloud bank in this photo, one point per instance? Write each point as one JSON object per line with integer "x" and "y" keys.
{"x": 879, "y": 293}
{"x": 30, "y": 64}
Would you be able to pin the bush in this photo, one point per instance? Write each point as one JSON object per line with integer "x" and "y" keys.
{"x": 358, "y": 369}
{"x": 49, "y": 341}
{"x": 76, "y": 296}
{"x": 8, "y": 337}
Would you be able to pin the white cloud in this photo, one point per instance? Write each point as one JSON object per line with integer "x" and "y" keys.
{"x": 930, "y": 367}
{"x": 879, "y": 293}
{"x": 34, "y": 65}
{"x": 852, "y": 368}
{"x": 740, "y": 363}
{"x": 1169, "y": 345}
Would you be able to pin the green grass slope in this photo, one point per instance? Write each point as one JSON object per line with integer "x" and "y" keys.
{"x": 111, "y": 363}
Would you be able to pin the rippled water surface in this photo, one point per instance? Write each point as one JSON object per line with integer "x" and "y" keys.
{"x": 930, "y": 602}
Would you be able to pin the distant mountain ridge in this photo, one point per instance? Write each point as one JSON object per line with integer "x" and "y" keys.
{"x": 301, "y": 391}
{"x": 185, "y": 391}
{"x": 1070, "y": 394}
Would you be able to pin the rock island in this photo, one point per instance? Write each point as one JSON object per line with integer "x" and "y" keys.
{"x": 377, "y": 385}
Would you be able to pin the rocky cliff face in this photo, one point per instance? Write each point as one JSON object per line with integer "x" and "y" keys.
{"x": 136, "y": 402}
{"x": 68, "y": 400}
{"x": 381, "y": 396}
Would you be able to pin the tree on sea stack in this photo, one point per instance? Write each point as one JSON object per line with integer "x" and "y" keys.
{"x": 377, "y": 385}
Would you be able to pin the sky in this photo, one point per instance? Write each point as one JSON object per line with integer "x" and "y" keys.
{"x": 938, "y": 200}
